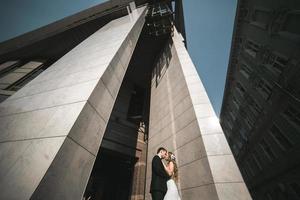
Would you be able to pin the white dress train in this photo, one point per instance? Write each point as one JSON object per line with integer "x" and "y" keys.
{"x": 172, "y": 192}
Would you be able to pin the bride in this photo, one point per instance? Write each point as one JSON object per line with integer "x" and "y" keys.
{"x": 171, "y": 168}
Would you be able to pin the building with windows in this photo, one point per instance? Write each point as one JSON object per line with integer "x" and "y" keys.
{"x": 261, "y": 105}
{"x": 87, "y": 101}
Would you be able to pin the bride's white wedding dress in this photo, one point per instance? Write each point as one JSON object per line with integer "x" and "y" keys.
{"x": 172, "y": 192}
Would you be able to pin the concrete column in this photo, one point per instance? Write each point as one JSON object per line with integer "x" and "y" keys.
{"x": 52, "y": 128}
{"x": 183, "y": 121}
{"x": 138, "y": 182}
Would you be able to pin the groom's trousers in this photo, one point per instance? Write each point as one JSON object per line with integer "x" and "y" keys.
{"x": 157, "y": 195}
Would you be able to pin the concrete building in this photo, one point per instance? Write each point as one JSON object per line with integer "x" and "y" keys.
{"x": 260, "y": 112}
{"x": 87, "y": 100}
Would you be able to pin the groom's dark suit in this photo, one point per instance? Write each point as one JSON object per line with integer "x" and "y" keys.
{"x": 158, "y": 187}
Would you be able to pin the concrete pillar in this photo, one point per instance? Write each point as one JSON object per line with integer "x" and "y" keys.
{"x": 52, "y": 128}
{"x": 183, "y": 121}
{"x": 139, "y": 173}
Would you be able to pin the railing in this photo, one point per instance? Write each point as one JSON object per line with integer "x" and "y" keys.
{"x": 159, "y": 19}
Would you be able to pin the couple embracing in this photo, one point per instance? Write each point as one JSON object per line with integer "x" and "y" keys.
{"x": 163, "y": 186}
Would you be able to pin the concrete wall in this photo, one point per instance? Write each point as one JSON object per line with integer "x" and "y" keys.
{"x": 183, "y": 121}
{"x": 52, "y": 128}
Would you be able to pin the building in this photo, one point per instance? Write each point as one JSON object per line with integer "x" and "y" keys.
{"x": 260, "y": 112}
{"x": 87, "y": 100}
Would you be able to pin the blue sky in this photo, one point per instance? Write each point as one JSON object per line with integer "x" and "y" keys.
{"x": 209, "y": 25}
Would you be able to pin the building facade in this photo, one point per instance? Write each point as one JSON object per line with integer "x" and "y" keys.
{"x": 87, "y": 100}
{"x": 261, "y": 105}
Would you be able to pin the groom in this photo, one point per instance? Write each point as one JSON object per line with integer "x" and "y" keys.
{"x": 158, "y": 187}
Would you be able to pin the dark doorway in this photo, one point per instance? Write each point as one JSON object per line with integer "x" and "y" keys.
{"x": 111, "y": 177}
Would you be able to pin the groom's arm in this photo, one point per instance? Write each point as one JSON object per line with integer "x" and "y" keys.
{"x": 158, "y": 168}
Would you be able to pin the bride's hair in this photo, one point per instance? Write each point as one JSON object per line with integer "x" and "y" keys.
{"x": 172, "y": 158}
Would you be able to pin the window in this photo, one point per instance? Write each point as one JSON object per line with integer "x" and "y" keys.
{"x": 240, "y": 89}
{"x": 294, "y": 87}
{"x": 293, "y": 115}
{"x": 7, "y": 66}
{"x": 162, "y": 64}
{"x": 278, "y": 22}
{"x": 279, "y": 62}
{"x": 275, "y": 63}
{"x": 244, "y": 13}
{"x": 254, "y": 107}
{"x": 22, "y": 82}
{"x": 18, "y": 73}
{"x": 250, "y": 120}
{"x": 264, "y": 88}
{"x": 136, "y": 105}
{"x": 5, "y": 69}
{"x": 235, "y": 102}
{"x": 290, "y": 28}
{"x": 234, "y": 109}
{"x": 247, "y": 118}
{"x": 280, "y": 138}
{"x": 15, "y": 74}
{"x": 286, "y": 25}
{"x": 267, "y": 150}
{"x": 251, "y": 48}
{"x": 246, "y": 70}
{"x": 233, "y": 117}
{"x": 261, "y": 18}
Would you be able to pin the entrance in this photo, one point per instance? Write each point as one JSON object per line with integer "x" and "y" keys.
{"x": 111, "y": 178}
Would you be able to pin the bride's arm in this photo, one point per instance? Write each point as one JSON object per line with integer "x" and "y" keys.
{"x": 170, "y": 168}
